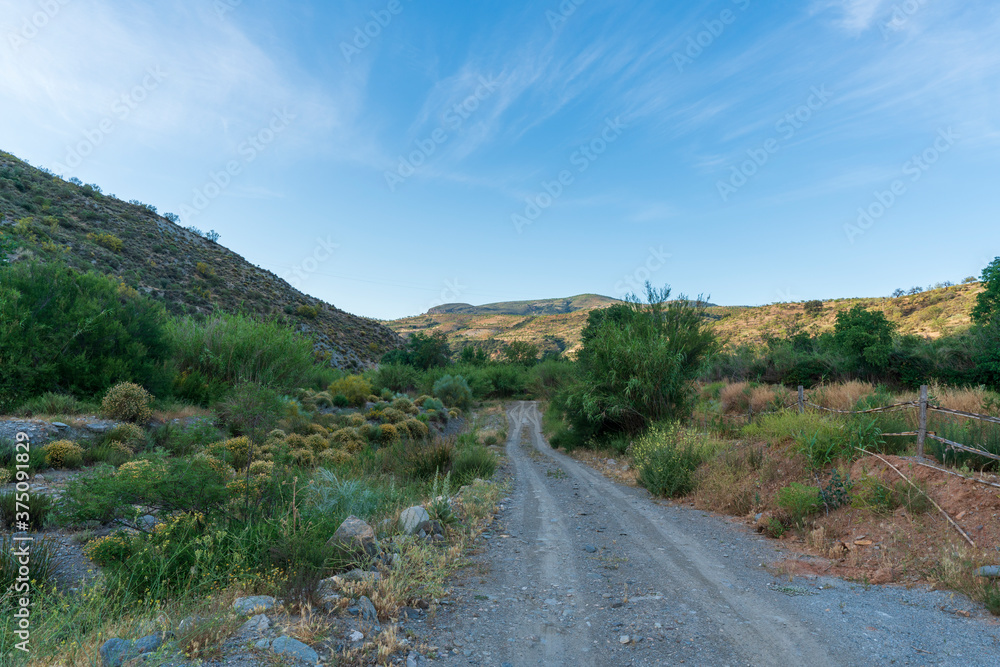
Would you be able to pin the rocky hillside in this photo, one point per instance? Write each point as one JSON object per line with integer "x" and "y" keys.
{"x": 47, "y": 218}
{"x": 933, "y": 313}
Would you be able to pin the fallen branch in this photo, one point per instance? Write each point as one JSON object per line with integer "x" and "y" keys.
{"x": 939, "y": 509}
{"x": 950, "y": 472}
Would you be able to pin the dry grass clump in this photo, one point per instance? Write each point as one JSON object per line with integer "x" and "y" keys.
{"x": 738, "y": 398}
{"x": 841, "y": 396}
{"x": 732, "y": 481}
{"x": 979, "y": 399}
{"x": 735, "y": 398}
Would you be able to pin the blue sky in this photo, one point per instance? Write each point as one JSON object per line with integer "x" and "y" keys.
{"x": 390, "y": 155}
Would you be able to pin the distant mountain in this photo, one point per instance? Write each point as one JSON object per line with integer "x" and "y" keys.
{"x": 539, "y": 307}
{"x": 47, "y": 218}
{"x": 552, "y": 325}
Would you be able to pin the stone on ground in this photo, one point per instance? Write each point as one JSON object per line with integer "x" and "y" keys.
{"x": 255, "y": 604}
{"x": 411, "y": 518}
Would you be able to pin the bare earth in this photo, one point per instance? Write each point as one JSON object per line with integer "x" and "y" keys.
{"x": 579, "y": 570}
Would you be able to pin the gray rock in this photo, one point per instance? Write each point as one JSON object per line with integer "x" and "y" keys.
{"x": 590, "y": 548}
{"x": 989, "y": 571}
{"x": 355, "y": 636}
{"x": 250, "y": 605}
{"x": 257, "y": 625}
{"x": 411, "y": 518}
{"x": 60, "y": 425}
{"x": 624, "y": 639}
{"x": 97, "y": 428}
{"x": 293, "y": 648}
{"x": 38, "y": 479}
{"x": 356, "y": 575}
{"x": 151, "y": 643}
{"x": 148, "y": 522}
{"x": 114, "y": 652}
{"x": 189, "y": 623}
{"x": 367, "y": 610}
{"x": 354, "y": 536}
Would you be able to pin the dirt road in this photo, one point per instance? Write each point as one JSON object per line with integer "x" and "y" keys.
{"x": 582, "y": 571}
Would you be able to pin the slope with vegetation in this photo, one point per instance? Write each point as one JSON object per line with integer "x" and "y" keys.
{"x": 45, "y": 218}
{"x": 557, "y": 324}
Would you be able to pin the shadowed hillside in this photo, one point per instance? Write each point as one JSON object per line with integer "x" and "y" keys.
{"x": 47, "y": 218}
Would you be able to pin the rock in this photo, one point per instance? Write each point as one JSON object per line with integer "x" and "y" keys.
{"x": 358, "y": 574}
{"x": 412, "y": 660}
{"x": 354, "y": 536}
{"x": 355, "y": 636}
{"x": 367, "y": 610}
{"x": 148, "y": 522}
{"x": 257, "y": 625}
{"x": 882, "y": 576}
{"x": 590, "y": 548}
{"x": 60, "y": 425}
{"x": 610, "y": 462}
{"x": 624, "y": 639}
{"x": 38, "y": 479}
{"x": 293, "y": 648}
{"x": 189, "y": 623}
{"x": 258, "y": 603}
{"x": 990, "y": 571}
{"x": 97, "y": 428}
{"x": 114, "y": 652}
{"x": 411, "y": 518}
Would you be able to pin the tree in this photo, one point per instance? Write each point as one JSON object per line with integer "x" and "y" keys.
{"x": 637, "y": 364}
{"x": 474, "y": 355}
{"x": 521, "y": 352}
{"x": 866, "y": 334}
{"x": 988, "y": 302}
{"x": 422, "y": 351}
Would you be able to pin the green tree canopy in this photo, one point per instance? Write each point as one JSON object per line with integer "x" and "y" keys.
{"x": 866, "y": 334}
{"x": 988, "y": 302}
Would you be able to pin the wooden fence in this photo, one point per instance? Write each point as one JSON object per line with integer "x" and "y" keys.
{"x": 922, "y": 434}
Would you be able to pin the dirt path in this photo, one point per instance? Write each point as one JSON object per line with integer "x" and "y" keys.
{"x": 582, "y": 571}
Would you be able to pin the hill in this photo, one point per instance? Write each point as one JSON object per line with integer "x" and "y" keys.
{"x": 540, "y": 307}
{"x": 46, "y": 218}
{"x": 931, "y": 314}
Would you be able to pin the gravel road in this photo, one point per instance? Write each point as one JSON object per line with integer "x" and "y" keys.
{"x": 580, "y": 570}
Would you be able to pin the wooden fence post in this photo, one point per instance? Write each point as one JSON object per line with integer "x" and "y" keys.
{"x": 922, "y": 432}
{"x": 802, "y": 399}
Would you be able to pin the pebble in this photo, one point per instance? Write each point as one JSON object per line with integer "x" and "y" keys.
{"x": 624, "y": 639}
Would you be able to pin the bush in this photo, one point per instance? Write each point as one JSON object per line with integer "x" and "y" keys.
{"x": 799, "y": 501}
{"x": 341, "y": 401}
{"x": 127, "y": 402}
{"x": 67, "y": 332}
{"x": 51, "y": 403}
{"x": 39, "y": 508}
{"x": 130, "y": 435}
{"x": 63, "y": 454}
{"x": 387, "y": 434}
{"x": 667, "y": 457}
{"x": 250, "y": 410}
{"x": 415, "y": 429}
{"x": 472, "y": 463}
{"x": 355, "y": 388}
{"x": 393, "y": 416}
{"x": 225, "y": 350}
{"x": 453, "y": 391}
{"x": 235, "y": 451}
{"x": 396, "y": 377}
{"x": 637, "y": 365}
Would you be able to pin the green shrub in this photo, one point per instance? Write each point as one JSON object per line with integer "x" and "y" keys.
{"x": 184, "y": 441}
{"x": 799, "y": 501}
{"x": 473, "y": 462}
{"x": 228, "y": 350}
{"x": 453, "y": 391}
{"x": 41, "y": 565}
{"x": 341, "y": 401}
{"x": 127, "y": 402}
{"x": 395, "y": 377}
{"x": 51, "y": 403}
{"x": 250, "y": 410}
{"x": 67, "y": 332}
{"x": 355, "y": 388}
{"x": 131, "y": 435}
{"x": 667, "y": 457}
{"x": 39, "y": 507}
